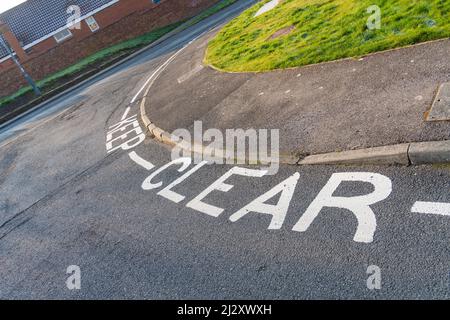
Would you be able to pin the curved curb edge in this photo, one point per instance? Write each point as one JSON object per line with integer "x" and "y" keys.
{"x": 416, "y": 153}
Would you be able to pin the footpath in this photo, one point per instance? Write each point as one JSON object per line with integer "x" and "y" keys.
{"x": 386, "y": 108}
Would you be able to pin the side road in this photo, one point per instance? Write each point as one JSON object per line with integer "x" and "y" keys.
{"x": 370, "y": 110}
{"x": 112, "y": 64}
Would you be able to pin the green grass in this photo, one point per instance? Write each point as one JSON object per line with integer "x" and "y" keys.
{"x": 325, "y": 30}
{"x": 105, "y": 54}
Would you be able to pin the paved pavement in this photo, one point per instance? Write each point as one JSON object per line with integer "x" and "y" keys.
{"x": 66, "y": 201}
{"x": 378, "y": 100}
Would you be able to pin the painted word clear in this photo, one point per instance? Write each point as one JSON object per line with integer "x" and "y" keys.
{"x": 359, "y": 206}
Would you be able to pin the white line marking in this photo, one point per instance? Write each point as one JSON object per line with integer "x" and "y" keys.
{"x": 154, "y": 73}
{"x": 161, "y": 67}
{"x": 125, "y": 114}
{"x": 439, "y": 208}
{"x": 142, "y": 162}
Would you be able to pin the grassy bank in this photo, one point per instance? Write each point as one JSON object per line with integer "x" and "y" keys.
{"x": 323, "y": 30}
{"x": 109, "y": 53}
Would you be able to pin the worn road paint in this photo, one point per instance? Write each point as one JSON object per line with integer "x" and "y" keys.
{"x": 173, "y": 196}
{"x": 190, "y": 73}
{"x": 125, "y": 114}
{"x": 358, "y": 205}
{"x": 142, "y": 162}
{"x": 163, "y": 66}
{"x": 155, "y": 72}
{"x": 278, "y": 211}
{"x": 148, "y": 185}
{"x": 132, "y": 137}
{"x": 220, "y": 185}
{"x": 438, "y": 208}
{"x": 160, "y": 68}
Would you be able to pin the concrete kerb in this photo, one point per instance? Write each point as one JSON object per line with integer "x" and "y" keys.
{"x": 429, "y": 152}
{"x": 417, "y": 153}
{"x": 433, "y": 152}
{"x": 394, "y": 154}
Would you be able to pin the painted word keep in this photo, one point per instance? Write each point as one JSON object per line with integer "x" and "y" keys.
{"x": 124, "y": 135}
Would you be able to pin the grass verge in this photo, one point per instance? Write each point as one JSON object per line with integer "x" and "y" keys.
{"x": 323, "y": 30}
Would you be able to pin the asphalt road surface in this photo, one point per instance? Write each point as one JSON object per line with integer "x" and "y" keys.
{"x": 66, "y": 201}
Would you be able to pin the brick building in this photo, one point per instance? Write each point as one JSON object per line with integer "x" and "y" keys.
{"x": 49, "y": 35}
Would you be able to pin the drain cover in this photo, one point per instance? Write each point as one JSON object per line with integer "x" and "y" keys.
{"x": 440, "y": 110}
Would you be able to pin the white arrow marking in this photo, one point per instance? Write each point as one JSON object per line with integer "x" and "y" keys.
{"x": 439, "y": 208}
{"x": 142, "y": 162}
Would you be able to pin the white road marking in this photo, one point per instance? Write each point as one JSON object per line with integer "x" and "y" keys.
{"x": 358, "y": 205}
{"x": 173, "y": 196}
{"x": 149, "y": 79}
{"x": 136, "y": 133}
{"x": 142, "y": 162}
{"x": 278, "y": 211}
{"x": 161, "y": 68}
{"x": 125, "y": 114}
{"x": 124, "y": 122}
{"x": 220, "y": 185}
{"x": 148, "y": 185}
{"x": 438, "y": 208}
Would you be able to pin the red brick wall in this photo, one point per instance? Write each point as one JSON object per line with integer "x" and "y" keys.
{"x": 122, "y": 21}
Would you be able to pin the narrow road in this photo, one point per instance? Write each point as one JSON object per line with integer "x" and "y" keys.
{"x": 65, "y": 200}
